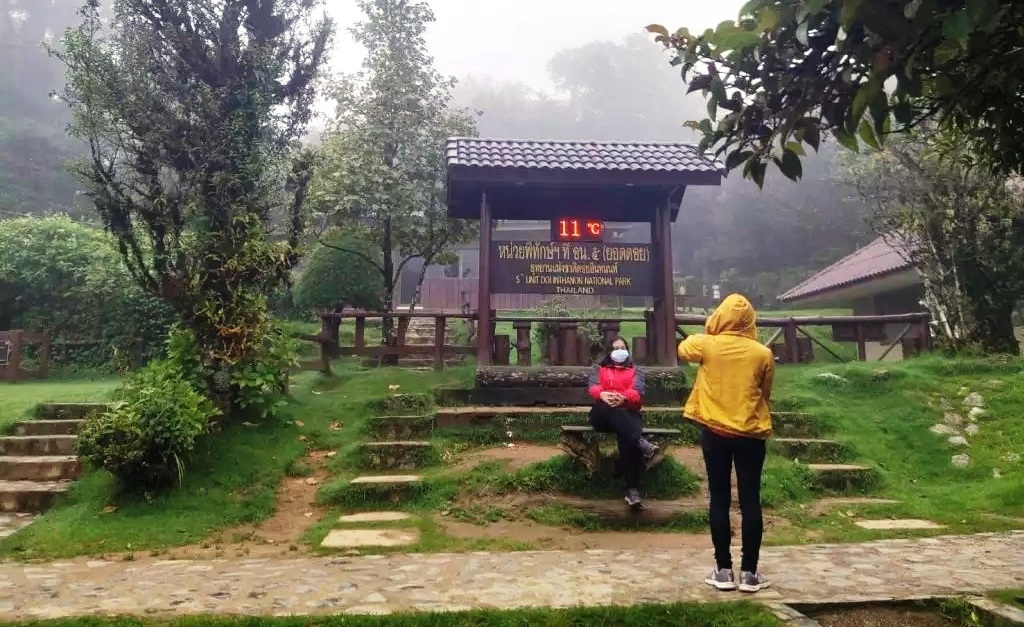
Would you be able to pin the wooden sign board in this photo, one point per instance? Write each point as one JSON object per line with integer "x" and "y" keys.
{"x": 572, "y": 269}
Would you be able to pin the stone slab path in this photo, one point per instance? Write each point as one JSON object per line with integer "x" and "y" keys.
{"x": 379, "y": 584}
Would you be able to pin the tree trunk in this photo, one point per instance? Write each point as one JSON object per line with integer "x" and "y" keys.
{"x": 419, "y": 286}
{"x": 388, "y": 333}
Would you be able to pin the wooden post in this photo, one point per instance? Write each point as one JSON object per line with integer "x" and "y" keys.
{"x": 360, "y": 332}
{"x": 523, "y": 346}
{"x": 439, "y": 333}
{"x": 792, "y": 348}
{"x": 582, "y": 351}
{"x": 567, "y": 342}
{"x": 639, "y": 350}
{"x": 862, "y": 349}
{"x": 485, "y": 337}
{"x": 502, "y": 347}
{"x": 610, "y": 332}
{"x": 664, "y": 298}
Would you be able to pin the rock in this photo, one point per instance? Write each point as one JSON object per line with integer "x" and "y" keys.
{"x": 831, "y": 377}
{"x": 961, "y": 460}
{"x": 974, "y": 400}
{"x": 996, "y": 474}
{"x": 953, "y": 419}
{"x": 941, "y": 429}
{"x": 994, "y": 383}
{"x": 975, "y": 413}
{"x": 972, "y": 430}
{"x": 964, "y": 390}
{"x": 1012, "y": 458}
{"x": 957, "y": 440}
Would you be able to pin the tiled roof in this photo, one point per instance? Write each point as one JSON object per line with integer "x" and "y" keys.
{"x": 874, "y": 260}
{"x": 474, "y": 152}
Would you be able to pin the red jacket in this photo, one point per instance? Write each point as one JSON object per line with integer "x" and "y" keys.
{"x": 626, "y": 379}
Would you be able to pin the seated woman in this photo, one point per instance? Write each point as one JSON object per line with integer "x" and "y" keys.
{"x": 617, "y": 387}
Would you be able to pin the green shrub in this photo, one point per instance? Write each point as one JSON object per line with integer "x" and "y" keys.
{"x": 145, "y": 436}
{"x": 65, "y": 279}
{"x": 333, "y": 277}
{"x": 260, "y": 383}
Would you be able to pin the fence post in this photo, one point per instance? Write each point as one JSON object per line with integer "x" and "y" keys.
{"x": 523, "y": 346}
{"x": 439, "y": 333}
{"x": 567, "y": 340}
{"x": 652, "y": 337}
{"x": 792, "y": 343}
{"x": 862, "y": 349}
{"x": 360, "y": 339}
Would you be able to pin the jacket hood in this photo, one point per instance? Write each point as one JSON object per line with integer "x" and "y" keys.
{"x": 734, "y": 316}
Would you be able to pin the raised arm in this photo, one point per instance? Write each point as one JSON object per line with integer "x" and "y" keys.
{"x": 691, "y": 349}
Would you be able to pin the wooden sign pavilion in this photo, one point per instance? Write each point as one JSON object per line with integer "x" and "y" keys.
{"x": 578, "y": 185}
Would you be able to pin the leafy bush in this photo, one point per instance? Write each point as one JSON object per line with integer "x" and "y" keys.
{"x": 334, "y": 277}
{"x": 260, "y": 383}
{"x": 65, "y": 279}
{"x": 145, "y": 436}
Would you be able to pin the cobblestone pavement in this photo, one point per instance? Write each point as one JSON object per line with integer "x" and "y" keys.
{"x": 379, "y": 584}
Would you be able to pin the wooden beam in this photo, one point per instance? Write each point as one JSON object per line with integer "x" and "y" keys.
{"x": 485, "y": 338}
{"x": 665, "y": 314}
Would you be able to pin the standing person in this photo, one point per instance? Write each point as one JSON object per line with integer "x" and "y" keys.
{"x": 617, "y": 387}
{"x": 730, "y": 402}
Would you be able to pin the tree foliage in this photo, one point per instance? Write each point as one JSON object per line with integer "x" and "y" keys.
{"x": 788, "y": 71}
{"x": 333, "y": 277}
{"x": 962, "y": 228}
{"x": 190, "y": 111}
{"x": 384, "y": 173}
{"x": 65, "y": 279}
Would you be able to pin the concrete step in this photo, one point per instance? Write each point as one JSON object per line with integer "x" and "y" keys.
{"x": 399, "y": 428}
{"x": 30, "y": 496}
{"x": 38, "y": 445}
{"x": 809, "y": 449}
{"x": 47, "y": 427}
{"x": 12, "y": 523}
{"x": 387, "y": 480}
{"x": 40, "y": 468}
{"x": 398, "y": 455}
{"x": 69, "y": 411}
{"x": 844, "y": 478}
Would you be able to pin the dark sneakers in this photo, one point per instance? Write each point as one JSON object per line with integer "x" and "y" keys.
{"x": 633, "y": 499}
{"x": 721, "y": 579}
{"x": 648, "y": 449}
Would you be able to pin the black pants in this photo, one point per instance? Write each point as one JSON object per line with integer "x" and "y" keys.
{"x": 720, "y": 454}
{"x": 628, "y": 426}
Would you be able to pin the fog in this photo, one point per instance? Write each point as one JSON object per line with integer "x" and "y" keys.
{"x": 565, "y": 69}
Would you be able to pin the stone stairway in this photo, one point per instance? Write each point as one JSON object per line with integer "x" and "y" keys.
{"x": 38, "y": 462}
{"x": 399, "y": 445}
{"x": 799, "y": 437}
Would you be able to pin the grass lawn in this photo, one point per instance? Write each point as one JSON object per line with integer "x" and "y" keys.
{"x": 231, "y": 480}
{"x": 738, "y": 614}
{"x": 884, "y": 413}
{"x": 18, "y": 399}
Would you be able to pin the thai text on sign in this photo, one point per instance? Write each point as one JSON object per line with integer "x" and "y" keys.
{"x": 585, "y": 269}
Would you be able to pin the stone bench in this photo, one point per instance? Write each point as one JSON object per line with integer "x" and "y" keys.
{"x": 582, "y": 442}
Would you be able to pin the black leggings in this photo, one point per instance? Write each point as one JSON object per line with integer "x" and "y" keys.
{"x": 628, "y": 426}
{"x": 720, "y": 454}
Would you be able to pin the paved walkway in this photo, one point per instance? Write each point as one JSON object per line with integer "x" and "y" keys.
{"x": 378, "y": 584}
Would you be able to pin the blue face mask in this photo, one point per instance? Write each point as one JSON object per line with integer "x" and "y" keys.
{"x": 620, "y": 355}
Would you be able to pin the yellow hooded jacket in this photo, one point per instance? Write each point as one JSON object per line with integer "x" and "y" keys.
{"x": 734, "y": 382}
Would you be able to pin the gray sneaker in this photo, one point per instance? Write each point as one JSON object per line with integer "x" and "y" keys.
{"x": 753, "y": 582}
{"x": 633, "y": 499}
{"x": 722, "y": 579}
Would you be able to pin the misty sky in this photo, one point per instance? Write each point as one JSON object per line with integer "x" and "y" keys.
{"x": 514, "y": 39}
